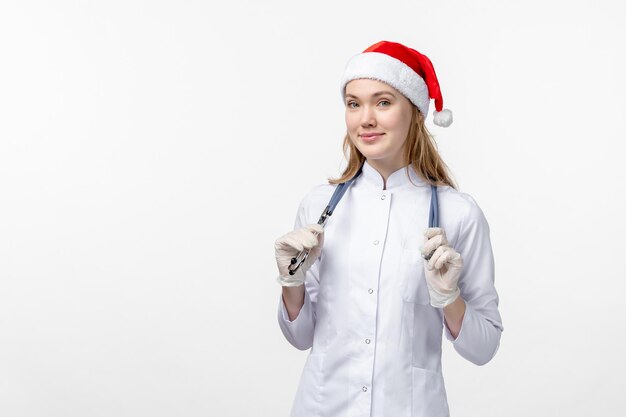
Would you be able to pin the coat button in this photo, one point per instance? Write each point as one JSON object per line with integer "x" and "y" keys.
{"x": 364, "y": 389}
{"x": 382, "y": 197}
{"x": 370, "y": 291}
{"x": 375, "y": 242}
{"x": 367, "y": 341}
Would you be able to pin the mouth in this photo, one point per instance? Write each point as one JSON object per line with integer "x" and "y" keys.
{"x": 370, "y": 137}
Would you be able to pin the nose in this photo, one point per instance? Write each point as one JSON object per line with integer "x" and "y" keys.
{"x": 368, "y": 118}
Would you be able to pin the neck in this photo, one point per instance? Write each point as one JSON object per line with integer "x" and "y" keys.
{"x": 385, "y": 169}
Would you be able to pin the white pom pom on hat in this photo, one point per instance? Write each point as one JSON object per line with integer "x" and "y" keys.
{"x": 442, "y": 118}
{"x": 403, "y": 68}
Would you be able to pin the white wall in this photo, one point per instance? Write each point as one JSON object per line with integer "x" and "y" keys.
{"x": 152, "y": 151}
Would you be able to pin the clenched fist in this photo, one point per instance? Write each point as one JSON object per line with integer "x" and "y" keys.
{"x": 443, "y": 269}
{"x": 288, "y": 246}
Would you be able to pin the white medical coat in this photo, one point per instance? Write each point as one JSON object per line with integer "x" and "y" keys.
{"x": 375, "y": 339}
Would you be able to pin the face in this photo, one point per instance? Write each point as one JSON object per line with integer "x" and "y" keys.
{"x": 377, "y": 119}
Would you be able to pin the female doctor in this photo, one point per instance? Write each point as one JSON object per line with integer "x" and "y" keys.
{"x": 366, "y": 300}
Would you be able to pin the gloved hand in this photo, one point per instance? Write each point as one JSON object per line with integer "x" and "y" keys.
{"x": 443, "y": 269}
{"x": 288, "y": 246}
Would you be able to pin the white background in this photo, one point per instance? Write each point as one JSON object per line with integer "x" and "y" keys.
{"x": 152, "y": 151}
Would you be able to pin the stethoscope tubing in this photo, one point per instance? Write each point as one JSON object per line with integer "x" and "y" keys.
{"x": 433, "y": 217}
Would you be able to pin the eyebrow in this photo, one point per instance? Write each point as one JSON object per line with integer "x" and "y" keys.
{"x": 379, "y": 93}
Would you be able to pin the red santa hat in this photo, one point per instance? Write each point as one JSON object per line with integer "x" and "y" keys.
{"x": 403, "y": 68}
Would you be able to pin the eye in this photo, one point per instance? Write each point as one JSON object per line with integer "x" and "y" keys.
{"x": 350, "y": 104}
{"x": 384, "y": 101}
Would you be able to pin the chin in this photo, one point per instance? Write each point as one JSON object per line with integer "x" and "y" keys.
{"x": 374, "y": 155}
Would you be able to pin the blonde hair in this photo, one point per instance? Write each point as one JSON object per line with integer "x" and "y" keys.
{"x": 420, "y": 150}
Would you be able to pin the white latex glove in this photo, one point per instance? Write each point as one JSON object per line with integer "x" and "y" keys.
{"x": 289, "y": 245}
{"x": 443, "y": 269}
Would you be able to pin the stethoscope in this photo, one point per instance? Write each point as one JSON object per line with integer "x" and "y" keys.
{"x": 433, "y": 217}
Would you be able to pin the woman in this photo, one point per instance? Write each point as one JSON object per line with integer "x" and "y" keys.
{"x": 366, "y": 301}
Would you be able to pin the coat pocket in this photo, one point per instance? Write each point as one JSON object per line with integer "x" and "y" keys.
{"x": 426, "y": 336}
{"x": 414, "y": 288}
{"x": 429, "y": 394}
{"x": 307, "y": 402}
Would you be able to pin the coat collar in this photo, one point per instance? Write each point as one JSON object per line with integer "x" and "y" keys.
{"x": 397, "y": 179}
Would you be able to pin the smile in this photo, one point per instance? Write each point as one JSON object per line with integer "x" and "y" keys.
{"x": 371, "y": 138}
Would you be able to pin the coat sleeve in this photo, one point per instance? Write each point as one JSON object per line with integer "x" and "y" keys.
{"x": 299, "y": 332}
{"x": 479, "y": 337}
